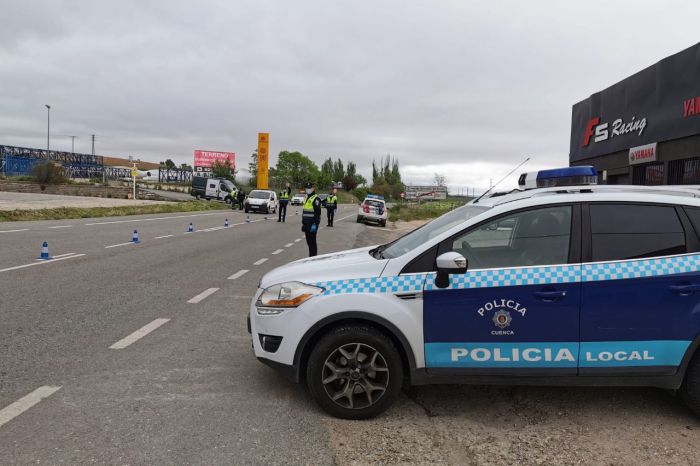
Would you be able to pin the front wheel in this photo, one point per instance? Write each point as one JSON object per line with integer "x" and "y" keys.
{"x": 354, "y": 372}
{"x": 359, "y": 219}
{"x": 690, "y": 390}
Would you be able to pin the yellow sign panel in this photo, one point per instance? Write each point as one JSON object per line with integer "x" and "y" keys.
{"x": 263, "y": 159}
{"x": 134, "y": 172}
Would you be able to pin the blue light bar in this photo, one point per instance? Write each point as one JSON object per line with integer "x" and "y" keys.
{"x": 569, "y": 176}
{"x": 375, "y": 196}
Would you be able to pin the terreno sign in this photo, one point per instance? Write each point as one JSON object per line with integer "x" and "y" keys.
{"x": 605, "y": 131}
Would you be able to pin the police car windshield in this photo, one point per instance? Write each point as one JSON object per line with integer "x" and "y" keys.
{"x": 429, "y": 231}
{"x": 373, "y": 203}
{"x": 260, "y": 195}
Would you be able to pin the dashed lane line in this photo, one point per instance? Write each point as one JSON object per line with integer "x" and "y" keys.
{"x": 238, "y": 274}
{"x": 60, "y": 226}
{"x": 204, "y": 294}
{"x": 17, "y": 267}
{"x": 14, "y": 231}
{"x": 260, "y": 261}
{"x": 289, "y": 245}
{"x": 138, "y": 334}
{"x": 164, "y": 236}
{"x": 120, "y": 244}
{"x": 277, "y": 251}
{"x": 13, "y": 410}
{"x": 297, "y": 240}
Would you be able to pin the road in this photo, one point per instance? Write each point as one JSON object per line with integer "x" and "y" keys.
{"x": 124, "y": 353}
{"x": 188, "y": 392}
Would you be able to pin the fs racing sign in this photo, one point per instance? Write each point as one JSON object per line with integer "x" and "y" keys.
{"x": 657, "y": 104}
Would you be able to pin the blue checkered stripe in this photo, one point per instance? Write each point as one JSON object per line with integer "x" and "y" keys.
{"x": 396, "y": 284}
{"x": 640, "y": 268}
{"x": 490, "y": 278}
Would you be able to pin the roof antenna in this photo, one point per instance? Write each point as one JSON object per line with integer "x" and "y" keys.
{"x": 501, "y": 180}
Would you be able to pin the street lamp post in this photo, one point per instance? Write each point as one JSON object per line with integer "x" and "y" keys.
{"x": 48, "y": 126}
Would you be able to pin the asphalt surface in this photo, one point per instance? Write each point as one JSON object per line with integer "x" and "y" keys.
{"x": 190, "y": 391}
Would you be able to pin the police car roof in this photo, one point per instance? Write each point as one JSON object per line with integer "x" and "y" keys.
{"x": 666, "y": 194}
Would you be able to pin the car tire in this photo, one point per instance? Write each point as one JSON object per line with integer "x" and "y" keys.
{"x": 690, "y": 390}
{"x": 246, "y": 210}
{"x": 382, "y": 223}
{"x": 359, "y": 219}
{"x": 348, "y": 348}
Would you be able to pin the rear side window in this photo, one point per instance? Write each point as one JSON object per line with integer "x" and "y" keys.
{"x": 627, "y": 231}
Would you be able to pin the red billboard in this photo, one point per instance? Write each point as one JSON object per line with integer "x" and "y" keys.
{"x": 206, "y": 158}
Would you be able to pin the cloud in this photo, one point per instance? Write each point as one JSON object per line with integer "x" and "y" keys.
{"x": 467, "y": 88}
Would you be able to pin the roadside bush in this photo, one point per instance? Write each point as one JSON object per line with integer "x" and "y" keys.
{"x": 49, "y": 173}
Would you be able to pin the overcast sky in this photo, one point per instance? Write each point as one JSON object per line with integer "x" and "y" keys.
{"x": 467, "y": 89}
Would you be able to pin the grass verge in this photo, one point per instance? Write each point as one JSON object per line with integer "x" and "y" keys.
{"x": 408, "y": 212}
{"x": 75, "y": 212}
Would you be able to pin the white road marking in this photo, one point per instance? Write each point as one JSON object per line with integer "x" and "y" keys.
{"x": 138, "y": 334}
{"x": 260, "y": 261}
{"x": 297, "y": 240}
{"x": 238, "y": 274}
{"x": 120, "y": 244}
{"x": 340, "y": 219}
{"x": 274, "y": 253}
{"x": 64, "y": 255}
{"x": 40, "y": 263}
{"x": 289, "y": 245}
{"x": 13, "y": 410}
{"x": 204, "y": 294}
{"x": 14, "y": 231}
{"x": 151, "y": 219}
{"x": 164, "y": 236}
{"x": 61, "y": 226}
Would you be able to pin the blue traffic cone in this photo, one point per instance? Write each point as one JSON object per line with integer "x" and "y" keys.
{"x": 226, "y": 223}
{"x": 135, "y": 238}
{"x": 190, "y": 228}
{"x": 45, "y": 251}
{"x": 247, "y": 219}
{"x": 265, "y": 217}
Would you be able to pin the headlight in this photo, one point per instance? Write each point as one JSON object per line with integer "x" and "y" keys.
{"x": 276, "y": 298}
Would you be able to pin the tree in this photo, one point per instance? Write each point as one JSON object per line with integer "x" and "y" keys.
{"x": 184, "y": 166}
{"x": 352, "y": 179}
{"x": 296, "y": 168}
{"x": 253, "y": 168}
{"x": 338, "y": 170}
{"x": 48, "y": 172}
{"x": 170, "y": 164}
{"x": 440, "y": 179}
{"x": 222, "y": 169}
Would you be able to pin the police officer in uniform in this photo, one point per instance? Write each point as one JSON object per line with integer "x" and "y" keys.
{"x": 331, "y": 206}
{"x": 284, "y": 200}
{"x": 240, "y": 197}
{"x": 311, "y": 218}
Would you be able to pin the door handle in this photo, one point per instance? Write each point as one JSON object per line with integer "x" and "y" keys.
{"x": 685, "y": 289}
{"x": 550, "y": 296}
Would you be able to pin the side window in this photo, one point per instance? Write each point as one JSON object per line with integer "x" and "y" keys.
{"x": 212, "y": 185}
{"x": 533, "y": 237}
{"x": 627, "y": 231}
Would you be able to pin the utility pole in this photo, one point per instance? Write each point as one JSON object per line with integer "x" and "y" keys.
{"x": 72, "y": 143}
{"x": 48, "y": 126}
{"x": 93, "y": 144}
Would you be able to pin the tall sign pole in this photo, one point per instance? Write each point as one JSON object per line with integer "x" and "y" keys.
{"x": 263, "y": 159}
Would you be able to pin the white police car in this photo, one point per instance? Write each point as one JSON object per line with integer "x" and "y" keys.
{"x": 373, "y": 209}
{"x": 577, "y": 285}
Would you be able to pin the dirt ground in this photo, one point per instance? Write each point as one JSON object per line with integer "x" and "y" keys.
{"x": 482, "y": 425}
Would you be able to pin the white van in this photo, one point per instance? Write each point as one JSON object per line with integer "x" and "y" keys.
{"x": 261, "y": 200}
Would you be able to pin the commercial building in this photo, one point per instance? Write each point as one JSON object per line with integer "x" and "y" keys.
{"x": 644, "y": 129}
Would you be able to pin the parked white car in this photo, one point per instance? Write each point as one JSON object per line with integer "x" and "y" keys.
{"x": 373, "y": 209}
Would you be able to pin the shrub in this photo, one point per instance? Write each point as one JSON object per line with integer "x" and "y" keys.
{"x": 48, "y": 173}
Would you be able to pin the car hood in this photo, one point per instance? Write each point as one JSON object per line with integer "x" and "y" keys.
{"x": 353, "y": 263}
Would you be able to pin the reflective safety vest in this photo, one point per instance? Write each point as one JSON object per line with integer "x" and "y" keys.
{"x": 330, "y": 202}
{"x": 308, "y": 215}
{"x": 284, "y": 195}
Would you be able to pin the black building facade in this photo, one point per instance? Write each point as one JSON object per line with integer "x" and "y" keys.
{"x": 644, "y": 129}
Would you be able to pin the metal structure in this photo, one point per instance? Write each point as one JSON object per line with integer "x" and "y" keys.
{"x": 117, "y": 173}
{"x": 174, "y": 175}
{"x": 21, "y": 160}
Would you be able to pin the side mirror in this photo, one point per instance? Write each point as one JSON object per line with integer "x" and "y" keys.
{"x": 447, "y": 264}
